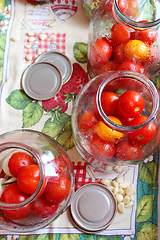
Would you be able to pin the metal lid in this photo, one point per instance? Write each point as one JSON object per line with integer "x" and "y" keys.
{"x": 42, "y": 80}
{"x": 60, "y": 60}
{"x": 93, "y": 208}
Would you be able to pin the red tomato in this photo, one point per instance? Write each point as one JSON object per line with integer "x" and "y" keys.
{"x": 101, "y": 148}
{"x": 118, "y": 53}
{"x": 131, "y": 66}
{"x": 109, "y": 103}
{"x": 131, "y": 104}
{"x": 58, "y": 188}
{"x": 126, "y": 151}
{"x": 119, "y": 34}
{"x": 132, "y": 10}
{"x": 19, "y": 160}
{"x": 123, "y": 5}
{"x": 12, "y": 194}
{"x": 109, "y": 66}
{"x": 102, "y": 51}
{"x": 28, "y": 179}
{"x": 146, "y": 36}
{"x": 124, "y": 120}
{"x": 42, "y": 208}
{"x": 87, "y": 120}
{"x": 144, "y": 135}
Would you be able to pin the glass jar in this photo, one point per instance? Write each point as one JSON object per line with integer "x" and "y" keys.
{"x": 108, "y": 142}
{"x": 125, "y": 37}
{"x": 89, "y": 6}
{"x": 34, "y": 211}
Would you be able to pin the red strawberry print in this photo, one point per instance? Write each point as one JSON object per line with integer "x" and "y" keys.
{"x": 56, "y": 103}
{"x": 78, "y": 79}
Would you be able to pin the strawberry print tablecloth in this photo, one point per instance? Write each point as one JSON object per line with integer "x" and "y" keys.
{"x": 65, "y": 27}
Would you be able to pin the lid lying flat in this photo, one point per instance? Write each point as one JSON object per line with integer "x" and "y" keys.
{"x": 60, "y": 60}
{"x": 42, "y": 80}
{"x": 93, "y": 208}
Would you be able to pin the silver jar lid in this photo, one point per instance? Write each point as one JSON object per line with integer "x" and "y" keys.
{"x": 42, "y": 80}
{"x": 93, "y": 208}
{"x": 60, "y": 60}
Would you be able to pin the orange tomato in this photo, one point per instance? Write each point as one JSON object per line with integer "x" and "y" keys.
{"x": 108, "y": 134}
{"x": 136, "y": 50}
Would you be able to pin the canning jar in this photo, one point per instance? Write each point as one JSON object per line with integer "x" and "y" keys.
{"x": 36, "y": 190}
{"x": 125, "y": 35}
{"x": 116, "y": 120}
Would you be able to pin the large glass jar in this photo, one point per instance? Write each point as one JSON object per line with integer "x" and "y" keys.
{"x": 125, "y": 35}
{"x": 52, "y": 171}
{"x": 110, "y": 141}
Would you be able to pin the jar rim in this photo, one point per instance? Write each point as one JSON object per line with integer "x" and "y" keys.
{"x": 140, "y": 78}
{"x": 8, "y": 145}
{"x": 131, "y": 22}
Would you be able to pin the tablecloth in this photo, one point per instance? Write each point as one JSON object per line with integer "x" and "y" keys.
{"x": 66, "y": 31}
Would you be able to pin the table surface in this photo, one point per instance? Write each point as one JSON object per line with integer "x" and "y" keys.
{"x": 66, "y": 31}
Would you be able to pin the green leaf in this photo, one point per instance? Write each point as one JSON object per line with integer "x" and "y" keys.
{"x": 3, "y": 41}
{"x": 1, "y": 53}
{"x": 32, "y": 114}
{"x": 148, "y": 172}
{"x": 27, "y": 237}
{"x": 144, "y": 208}
{"x": 108, "y": 238}
{"x": 69, "y": 237}
{"x": 146, "y": 231}
{"x": 18, "y": 99}
{"x": 80, "y": 51}
{"x": 158, "y": 82}
{"x": 65, "y": 139}
{"x": 88, "y": 237}
{"x": 43, "y": 237}
{"x": 53, "y": 126}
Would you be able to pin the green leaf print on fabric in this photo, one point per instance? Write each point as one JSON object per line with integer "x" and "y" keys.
{"x": 69, "y": 237}
{"x": 53, "y": 126}
{"x": 18, "y": 99}
{"x": 80, "y": 51}
{"x": 144, "y": 208}
{"x": 32, "y": 114}
{"x": 28, "y": 237}
{"x": 43, "y": 237}
{"x": 148, "y": 172}
{"x": 65, "y": 139}
{"x": 87, "y": 237}
{"x": 147, "y": 231}
{"x": 108, "y": 238}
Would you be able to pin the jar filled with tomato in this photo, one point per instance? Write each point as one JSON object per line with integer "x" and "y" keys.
{"x": 124, "y": 35}
{"x": 116, "y": 120}
{"x": 36, "y": 180}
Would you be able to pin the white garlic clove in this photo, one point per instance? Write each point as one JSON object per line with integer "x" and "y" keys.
{"x": 29, "y": 57}
{"x": 43, "y": 36}
{"x": 119, "y": 197}
{"x": 130, "y": 190}
{"x": 130, "y": 204}
{"x": 120, "y": 207}
{"x": 126, "y": 199}
{"x": 121, "y": 191}
{"x": 105, "y": 181}
{"x": 31, "y": 39}
{"x": 124, "y": 185}
{"x": 114, "y": 183}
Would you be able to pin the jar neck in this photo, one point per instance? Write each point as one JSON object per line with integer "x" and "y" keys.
{"x": 9, "y": 147}
{"x": 132, "y": 23}
{"x": 116, "y": 79}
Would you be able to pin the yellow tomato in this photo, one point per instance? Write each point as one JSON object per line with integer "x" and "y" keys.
{"x": 108, "y": 134}
{"x": 136, "y": 50}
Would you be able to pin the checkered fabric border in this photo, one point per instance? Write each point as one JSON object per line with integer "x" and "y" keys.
{"x": 55, "y": 43}
{"x": 80, "y": 174}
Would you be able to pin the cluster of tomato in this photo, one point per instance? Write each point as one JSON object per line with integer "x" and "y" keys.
{"x": 55, "y": 189}
{"x": 124, "y": 50}
{"x": 127, "y": 110}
